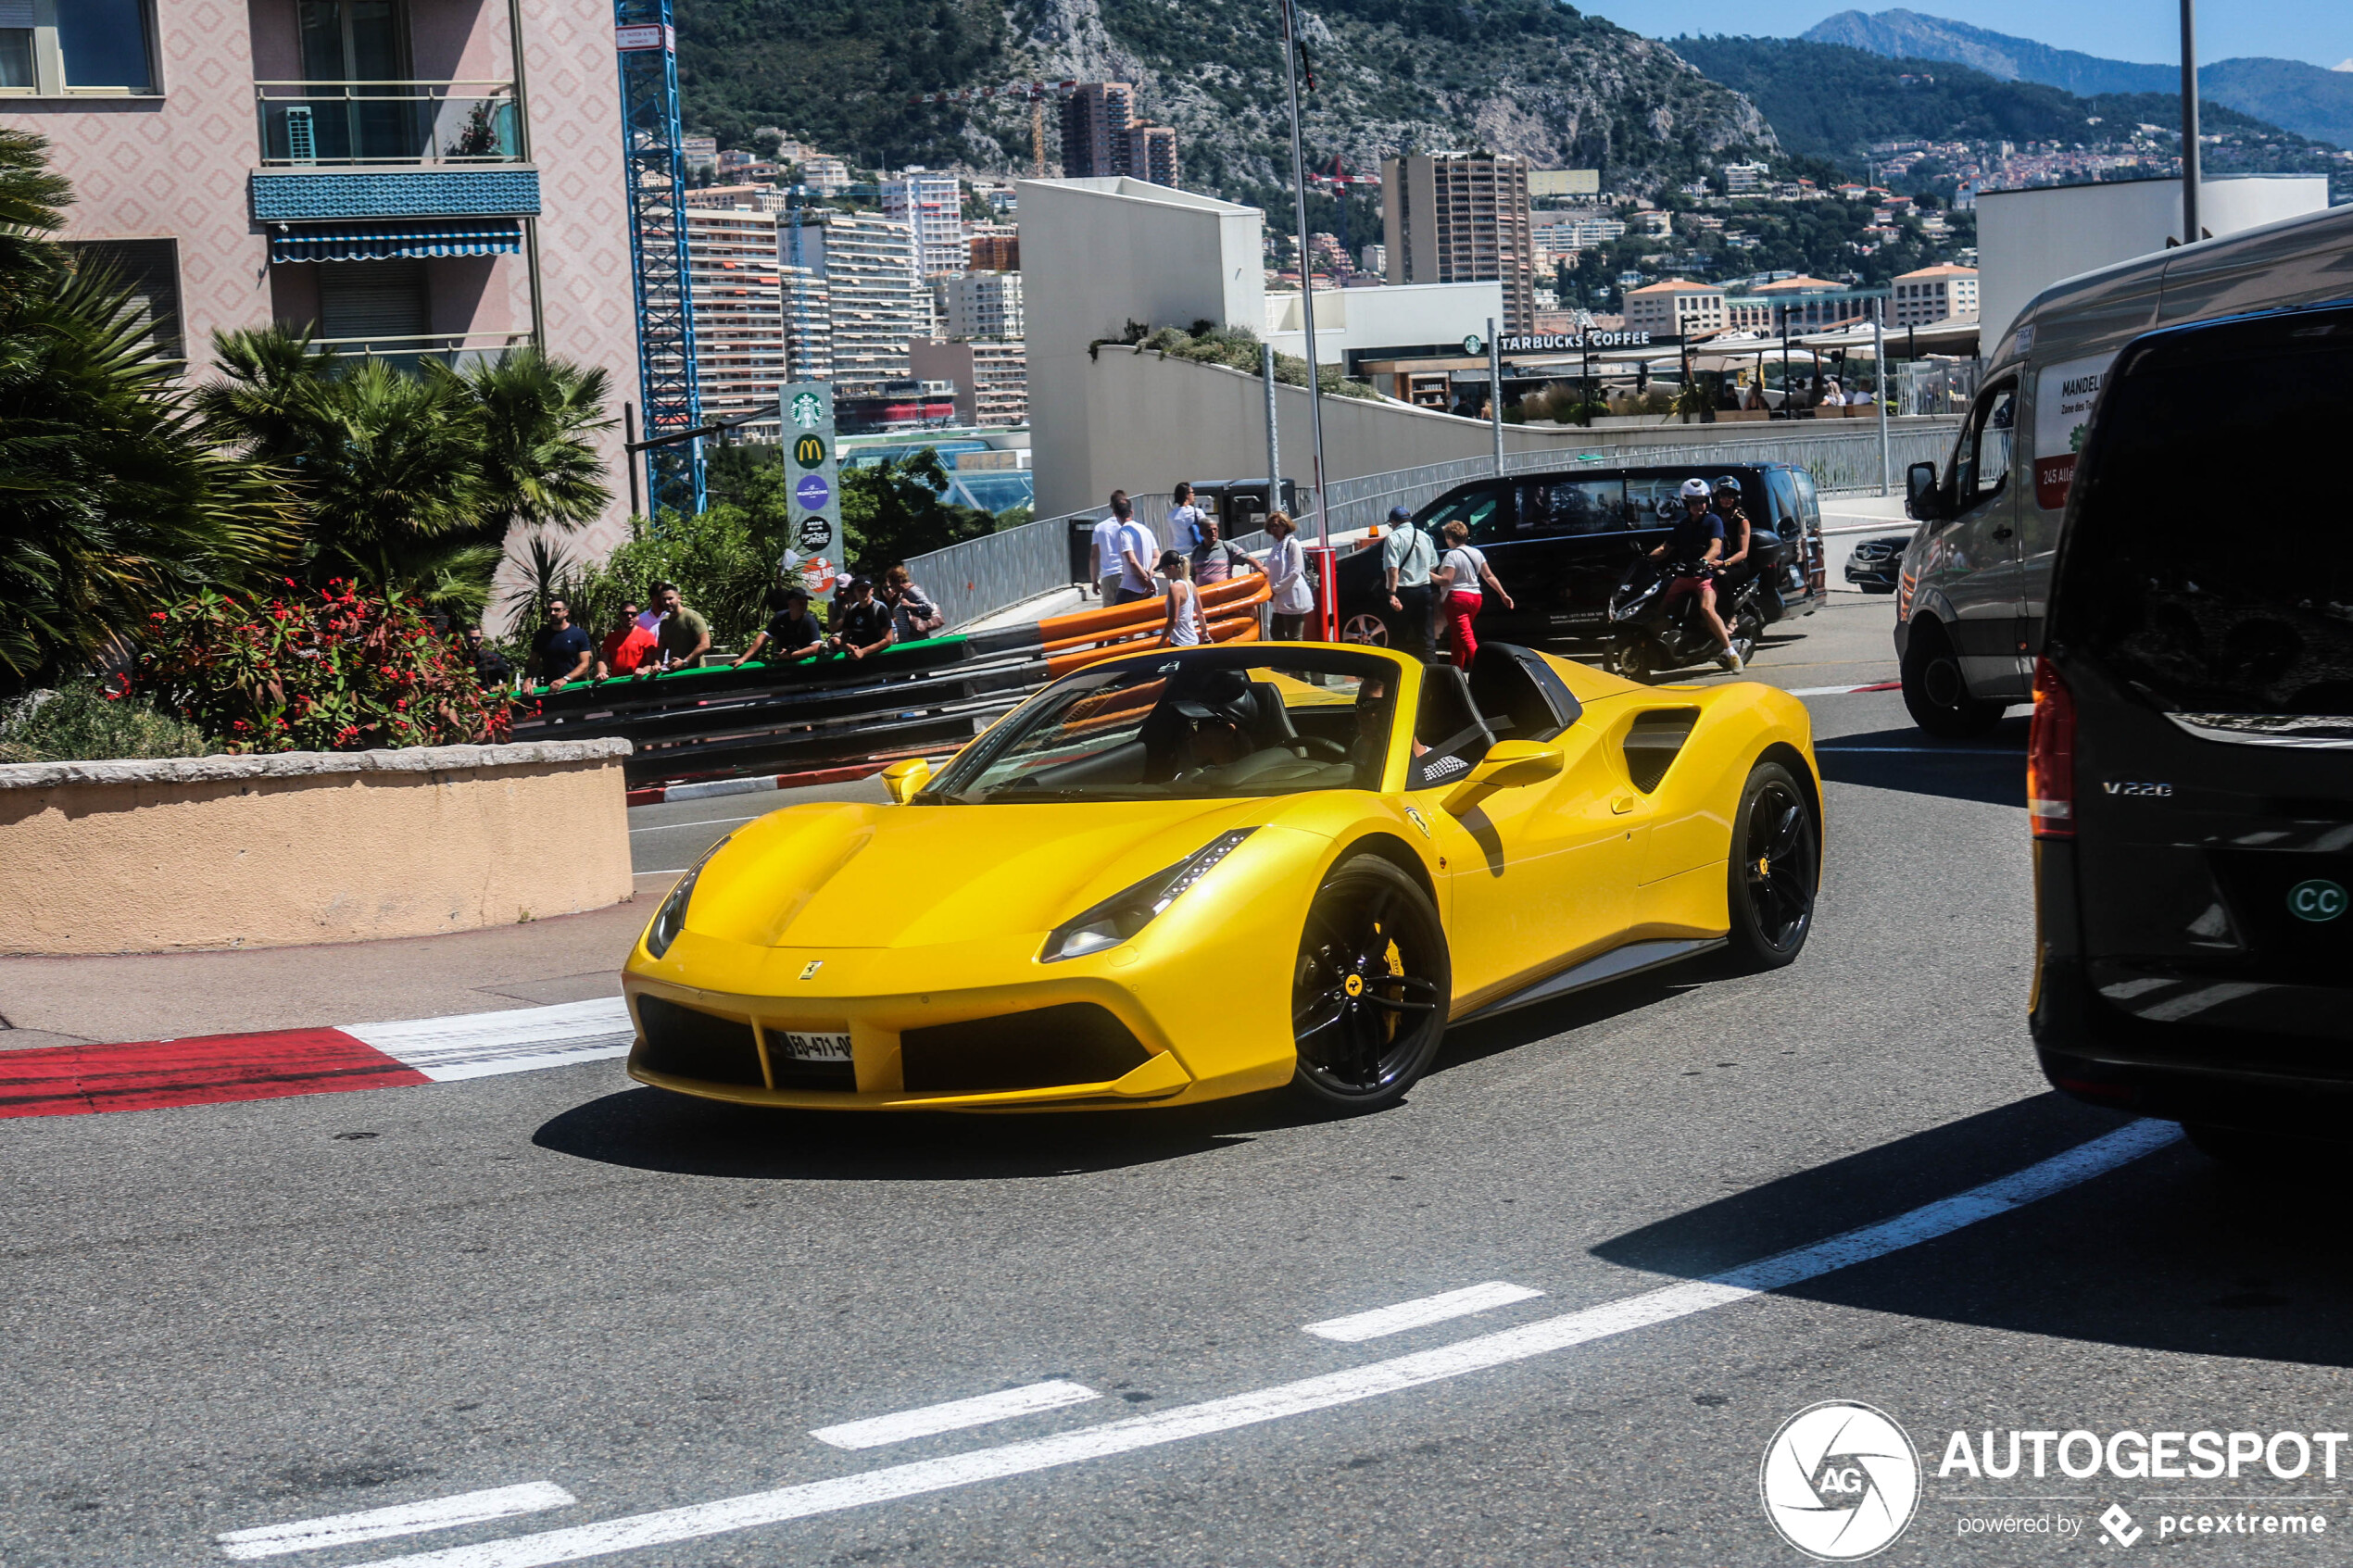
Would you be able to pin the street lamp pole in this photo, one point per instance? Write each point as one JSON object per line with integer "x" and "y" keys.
{"x": 2189, "y": 122}
{"x": 1306, "y": 266}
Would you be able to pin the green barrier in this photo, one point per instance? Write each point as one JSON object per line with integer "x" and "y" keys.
{"x": 896, "y": 653}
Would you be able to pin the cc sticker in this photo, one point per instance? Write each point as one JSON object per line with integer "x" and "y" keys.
{"x": 2317, "y": 901}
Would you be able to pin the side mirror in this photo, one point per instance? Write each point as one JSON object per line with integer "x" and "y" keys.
{"x": 904, "y": 780}
{"x": 1922, "y": 501}
{"x": 1509, "y": 764}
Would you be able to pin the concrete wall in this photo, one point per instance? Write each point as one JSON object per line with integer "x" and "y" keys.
{"x": 308, "y": 847}
{"x": 1405, "y": 316}
{"x": 1100, "y": 254}
{"x": 2029, "y": 240}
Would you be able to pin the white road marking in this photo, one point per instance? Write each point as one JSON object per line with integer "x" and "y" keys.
{"x": 403, "y": 1519}
{"x": 705, "y": 823}
{"x": 875, "y": 1431}
{"x": 750, "y": 1510}
{"x": 478, "y": 1045}
{"x": 1427, "y": 1309}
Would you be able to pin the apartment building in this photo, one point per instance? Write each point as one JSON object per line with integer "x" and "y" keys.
{"x": 1934, "y": 294}
{"x": 751, "y": 198}
{"x": 993, "y": 248}
{"x": 932, "y": 204}
{"x": 1676, "y": 307}
{"x": 1102, "y": 135}
{"x": 991, "y": 378}
{"x": 699, "y": 153}
{"x": 1746, "y": 179}
{"x": 740, "y": 359}
{"x": 1152, "y": 154}
{"x": 1558, "y": 236}
{"x": 808, "y": 319}
{"x": 985, "y": 305}
{"x": 405, "y": 178}
{"x": 875, "y": 301}
{"x": 1461, "y": 218}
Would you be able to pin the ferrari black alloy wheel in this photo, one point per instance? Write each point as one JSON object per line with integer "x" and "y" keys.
{"x": 1370, "y": 991}
{"x": 1776, "y": 863}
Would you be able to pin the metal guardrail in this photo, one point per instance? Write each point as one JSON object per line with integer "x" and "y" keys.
{"x": 982, "y": 576}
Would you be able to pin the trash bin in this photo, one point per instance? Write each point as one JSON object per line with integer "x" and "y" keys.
{"x": 1082, "y": 547}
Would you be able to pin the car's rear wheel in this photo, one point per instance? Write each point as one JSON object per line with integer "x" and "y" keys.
{"x": 1934, "y": 691}
{"x": 1364, "y": 627}
{"x": 1370, "y": 989}
{"x": 1776, "y": 867}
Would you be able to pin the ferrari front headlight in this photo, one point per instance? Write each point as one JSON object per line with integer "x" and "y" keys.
{"x": 1131, "y": 910}
{"x": 670, "y": 918}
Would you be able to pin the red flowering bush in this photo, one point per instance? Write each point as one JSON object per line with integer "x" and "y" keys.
{"x": 330, "y": 669}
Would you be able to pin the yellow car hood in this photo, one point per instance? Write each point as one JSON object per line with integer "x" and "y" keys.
{"x": 854, "y": 876}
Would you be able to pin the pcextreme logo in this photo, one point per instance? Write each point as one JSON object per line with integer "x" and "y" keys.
{"x": 1840, "y": 1481}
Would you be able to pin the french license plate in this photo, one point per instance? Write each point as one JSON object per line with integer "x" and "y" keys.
{"x": 808, "y": 1048}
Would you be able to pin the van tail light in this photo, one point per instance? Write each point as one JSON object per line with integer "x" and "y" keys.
{"x": 2050, "y": 756}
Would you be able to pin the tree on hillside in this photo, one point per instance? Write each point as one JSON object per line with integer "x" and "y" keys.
{"x": 897, "y": 508}
{"x": 113, "y": 502}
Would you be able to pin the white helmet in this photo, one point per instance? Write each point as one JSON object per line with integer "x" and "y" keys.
{"x": 1695, "y": 490}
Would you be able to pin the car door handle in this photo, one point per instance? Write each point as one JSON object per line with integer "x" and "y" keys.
{"x": 2001, "y": 533}
{"x": 1623, "y": 805}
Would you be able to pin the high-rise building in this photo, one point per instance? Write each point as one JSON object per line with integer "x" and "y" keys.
{"x": 875, "y": 301}
{"x": 985, "y": 305}
{"x": 1150, "y": 153}
{"x": 740, "y": 361}
{"x": 993, "y": 248}
{"x": 991, "y": 377}
{"x": 1461, "y": 218}
{"x": 1095, "y": 120}
{"x": 751, "y": 198}
{"x": 932, "y": 204}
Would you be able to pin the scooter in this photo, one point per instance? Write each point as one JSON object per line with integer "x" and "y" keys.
{"x": 1649, "y": 637}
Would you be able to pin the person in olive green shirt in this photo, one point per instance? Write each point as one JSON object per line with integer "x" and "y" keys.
{"x": 683, "y": 636}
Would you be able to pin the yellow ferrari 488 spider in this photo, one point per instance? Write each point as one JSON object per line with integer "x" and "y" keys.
{"x": 1187, "y": 874}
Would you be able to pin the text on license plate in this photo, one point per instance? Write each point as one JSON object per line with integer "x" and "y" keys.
{"x": 808, "y": 1048}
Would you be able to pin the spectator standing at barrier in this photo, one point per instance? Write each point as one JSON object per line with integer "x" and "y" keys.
{"x": 1287, "y": 569}
{"x": 913, "y": 615}
{"x": 626, "y": 646}
{"x": 1408, "y": 559}
{"x": 560, "y": 651}
{"x": 1102, "y": 553}
{"x": 1215, "y": 560}
{"x": 1137, "y": 550}
{"x": 863, "y": 626}
{"x": 1181, "y": 627}
{"x": 1460, "y": 574}
{"x": 1184, "y": 521}
{"x": 684, "y": 635}
{"x": 491, "y": 673}
{"x": 791, "y": 632}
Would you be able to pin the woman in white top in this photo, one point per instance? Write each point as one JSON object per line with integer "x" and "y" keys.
{"x": 1286, "y": 567}
{"x": 1182, "y": 627}
{"x": 1459, "y": 576}
{"x": 1184, "y": 520}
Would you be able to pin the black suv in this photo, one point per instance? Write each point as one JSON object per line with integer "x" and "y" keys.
{"x": 2190, "y": 768}
{"x": 1561, "y": 542}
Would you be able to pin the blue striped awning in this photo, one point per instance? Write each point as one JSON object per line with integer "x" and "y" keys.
{"x": 342, "y": 243}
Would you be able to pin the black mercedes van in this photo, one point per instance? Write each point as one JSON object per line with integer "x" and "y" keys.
{"x": 2190, "y": 767}
{"x": 1561, "y": 541}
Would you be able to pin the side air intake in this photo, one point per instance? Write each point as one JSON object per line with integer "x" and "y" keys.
{"x": 1654, "y": 743}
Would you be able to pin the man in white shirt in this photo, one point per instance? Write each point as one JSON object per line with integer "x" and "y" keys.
{"x": 1103, "y": 553}
{"x": 1407, "y": 558}
{"x": 1137, "y": 550}
{"x": 1183, "y": 523}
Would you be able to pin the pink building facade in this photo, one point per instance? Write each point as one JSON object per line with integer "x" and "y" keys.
{"x": 407, "y": 178}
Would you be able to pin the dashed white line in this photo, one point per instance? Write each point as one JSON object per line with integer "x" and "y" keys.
{"x": 402, "y": 1519}
{"x": 1427, "y": 1309}
{"x": 874, "y": 1432}
{"x": 479, "y": 1045}
{"x": 1542, "y": 1337}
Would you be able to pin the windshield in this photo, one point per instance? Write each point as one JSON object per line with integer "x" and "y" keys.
{"x": 1193, "y": 725}
{"x": 2201, "y": 566}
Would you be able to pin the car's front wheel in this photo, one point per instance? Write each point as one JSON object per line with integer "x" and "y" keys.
{"x": 1370, "y": 989}
{"x": 1777, "y": 861}
{"x": 1936, "y": 694}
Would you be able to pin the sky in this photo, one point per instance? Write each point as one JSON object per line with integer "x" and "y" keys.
{"x": 2317, "y": 31}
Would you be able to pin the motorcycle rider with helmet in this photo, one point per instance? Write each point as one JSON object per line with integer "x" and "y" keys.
{"x": 1695, "y": 550}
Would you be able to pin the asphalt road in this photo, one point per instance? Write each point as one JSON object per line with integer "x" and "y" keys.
{"x": 225, "y": 1318}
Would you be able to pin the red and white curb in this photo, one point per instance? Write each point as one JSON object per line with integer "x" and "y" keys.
{"x": 214, "y": 1069}
{"x": 1845, "y": 691}
{"x": 654, "y": 795}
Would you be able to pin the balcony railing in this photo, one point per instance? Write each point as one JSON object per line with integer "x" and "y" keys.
{"x": 454, "y": 349}
{"x": 326, "y": 124}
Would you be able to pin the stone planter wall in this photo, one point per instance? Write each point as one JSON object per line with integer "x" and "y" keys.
{"x": 307, "y": 847}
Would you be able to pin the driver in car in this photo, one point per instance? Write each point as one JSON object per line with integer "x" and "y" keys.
{"x": 1694, "y": 548}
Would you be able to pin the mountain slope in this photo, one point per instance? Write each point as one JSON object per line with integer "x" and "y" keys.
{"x": 2291, "y": 94}
{"x": 1530, "y": 76}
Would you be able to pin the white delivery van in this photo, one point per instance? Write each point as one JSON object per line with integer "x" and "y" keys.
{"x": 1968, "y": 602}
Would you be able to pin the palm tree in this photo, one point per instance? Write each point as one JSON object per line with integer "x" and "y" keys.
{"x": 112, "y": 500}
{"x": 539, "y": 413}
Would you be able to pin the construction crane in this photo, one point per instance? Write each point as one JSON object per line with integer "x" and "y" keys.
{"x": 1337, "y": 181}
{"x": 1037, "y": 92}
{"x": 654, "y": 167}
